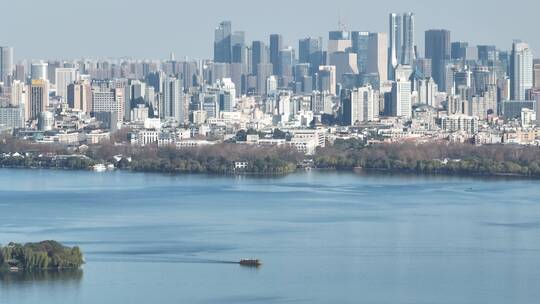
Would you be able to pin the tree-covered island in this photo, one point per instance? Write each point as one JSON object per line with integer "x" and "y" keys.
{"x": 46, "y": 255}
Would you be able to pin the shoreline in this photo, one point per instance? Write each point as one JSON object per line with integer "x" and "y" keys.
{"x": 355, "y": 171}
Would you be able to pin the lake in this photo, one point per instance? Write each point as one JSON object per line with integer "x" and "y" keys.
{"x": 323, "y": 237}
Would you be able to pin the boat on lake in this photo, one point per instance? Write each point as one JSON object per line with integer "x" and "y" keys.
{"x": 250, "y": 262}
{"x": 99, "y": 168}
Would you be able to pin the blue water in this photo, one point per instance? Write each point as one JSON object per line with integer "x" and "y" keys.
{"x": 323, "y": 237}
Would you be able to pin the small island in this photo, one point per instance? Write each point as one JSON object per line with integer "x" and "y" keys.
{"x": 46, "y": 255}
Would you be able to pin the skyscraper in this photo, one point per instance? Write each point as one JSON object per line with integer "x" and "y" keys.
{"x": 38, "y": 70}
{"x": 173, "y": 101}
{"x": 222, "y": 42}
{"x": 64, "y": 77}
{"x": 287, "y": 60}
{"x": 396, "y": 46}
{"x": 378, "y": 55}
{"x": 79, "y": 96}
{"x": 338, "y": 41}
{"x": 38, "y": 99}
{"x": 438, "y": 50}
{"x": 487, "y": 53}
{"x": 109, "y": 102}
{"x": 327, "y": 79}
{"x": 6, "y": 63}
{"x": 276, "y": 45}
{"x": 536, "y": 76}
{"x": 20, "y": 73}
{"x": 264, "y": 70}
{"x": 360, "y": 45}
{"x": 358, "y": 105}
{"x": 408, "y": 53}
{"x": 239, "y": 50}
{"x": 259, "y": 55}
{"x": 521, "y": 70}
{"x": 423, "y": 65}
{"x": 308, "y": 46}
{"x": 401, "y": 92}
{"x": 458, "y": 49}
{"x": 310, "y": 51}
{"x": 345, "y": 63}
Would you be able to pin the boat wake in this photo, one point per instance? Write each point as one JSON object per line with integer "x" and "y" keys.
{"x": 160, "y": 260}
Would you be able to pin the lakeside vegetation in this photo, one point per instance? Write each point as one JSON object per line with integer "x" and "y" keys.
{"x": 212, "y": 159}
{"x": 216, "y": 159}
{"x": 432, "y": 158}
{"x": 46, "y": 255}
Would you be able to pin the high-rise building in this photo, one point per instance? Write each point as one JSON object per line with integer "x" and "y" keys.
{"x": 222, "y": 42}
{"x": 134, "y": 94}
{"x": 276, "y": 45}
{"x": 38, "y": 70}
{"x": 6, "y": 64}
{"x": 210, "y": 105}
{"x": 458, "y": 49}
{"x": 536, "y": 69}
{"x": 38, "y": 99}
{"x": 358, "y": 105}
{"x": 396, "y": 45}
{"x": 423, "y": 65}
{"x": 339, "y": 41}
{"x": 45, "y": 121}
{"x": 512, "y": 109}
{"x": 521, "y": 70}
{"x": 271, "y": 85}
{"x": 345, "y": 63}
{"x": 238, "y": 37}
{"x": 219, "y": 71}
{"x": 487, "y": 53}
{"x": 240, "y": 54}
{"x": 264, "y": 70}
{"x": 173, "y": 101}
{"x": 321, "y": 103}
{"x": 408, "y": 54}
{"x": 239, "y": 49}
{"x": 427, "y": 89}
{"x": 227, "y": 95}
{"x": 110, "y": 101}
{"x": 327, "y": 79}
{"x": 360, "y": 46}
{"x": 438, "y": 50}
{"x": 260, "y": 55}
{"x": 20, "y": 73}
{"x": 401, "y": 92}
{"x": 310, "y": 51}
{"x": 12, "y": 116}
{"x": 378, "y": 55}
{"x": 63, "y": 78}
{"x": 79, "y": 96}
{"x": 51, "y": 71}
{"x": 286, "y": 62}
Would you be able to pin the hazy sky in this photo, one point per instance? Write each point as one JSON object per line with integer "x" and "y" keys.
{"x": 152, "y": 29}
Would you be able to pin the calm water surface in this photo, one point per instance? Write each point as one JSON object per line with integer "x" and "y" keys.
{"x": 324, "y": 238}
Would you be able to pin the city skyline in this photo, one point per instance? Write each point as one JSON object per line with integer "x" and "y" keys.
{"x": 307, "y": 20}
{"x": 356, "y": 77}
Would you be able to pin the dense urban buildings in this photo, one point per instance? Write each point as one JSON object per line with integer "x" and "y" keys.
{"x": 358, "y": 83}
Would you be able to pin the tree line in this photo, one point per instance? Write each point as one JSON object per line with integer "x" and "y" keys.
{"x": 445, "y": 158}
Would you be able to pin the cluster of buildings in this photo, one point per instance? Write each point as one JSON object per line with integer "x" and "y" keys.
{"x": 377, "y": 86}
